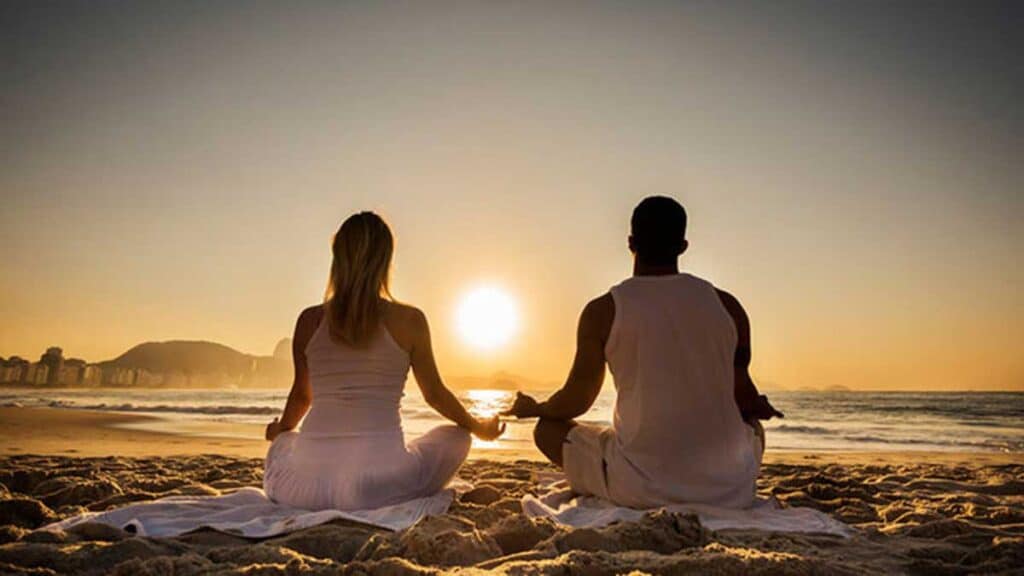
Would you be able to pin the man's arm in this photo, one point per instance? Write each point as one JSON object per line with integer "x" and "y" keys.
{"x": 752, "y": 405}
{"x": 587, "y": 373}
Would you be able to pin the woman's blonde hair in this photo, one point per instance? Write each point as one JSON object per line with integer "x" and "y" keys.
{"x": 358, "y": 284}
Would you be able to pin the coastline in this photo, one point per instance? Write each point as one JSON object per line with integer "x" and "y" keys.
{"x": 87, "y": 433}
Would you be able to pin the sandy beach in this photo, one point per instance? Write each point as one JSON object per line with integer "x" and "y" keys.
{"x": 916, "y": 513}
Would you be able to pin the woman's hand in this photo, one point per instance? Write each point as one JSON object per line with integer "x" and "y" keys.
{"x": 273, "y": 430}
{"x": 488, "y": 428}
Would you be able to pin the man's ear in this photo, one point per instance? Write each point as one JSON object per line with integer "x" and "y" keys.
{"x": 632, "y": 244}
{"x": 683, "y": 247}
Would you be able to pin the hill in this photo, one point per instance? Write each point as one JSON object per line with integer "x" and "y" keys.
{"x": 500, "y": 380}
{"x": 186, "y": 356}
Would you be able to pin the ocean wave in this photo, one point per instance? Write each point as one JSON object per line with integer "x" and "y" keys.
{"x": 802, "y": 429}
{"x": 1000, "y": 445}
{"x": 168, "y": 408}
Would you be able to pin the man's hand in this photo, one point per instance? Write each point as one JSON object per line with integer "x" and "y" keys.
{"x": 763, "y": 410}
{"x": 273, "y": 430}
{"x": 489, "y": 428}
{"x": 524, "y": 407}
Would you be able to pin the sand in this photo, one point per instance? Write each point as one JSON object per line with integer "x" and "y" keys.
{"x": 916, "y": 514}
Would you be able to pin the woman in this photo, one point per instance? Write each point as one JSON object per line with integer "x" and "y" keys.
{"x": 352, "y": 355}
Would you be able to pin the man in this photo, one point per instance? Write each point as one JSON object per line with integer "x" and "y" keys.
{"x": 685, "y": 426}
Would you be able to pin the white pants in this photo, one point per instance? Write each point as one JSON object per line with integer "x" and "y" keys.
{"x": 359, "y": 473}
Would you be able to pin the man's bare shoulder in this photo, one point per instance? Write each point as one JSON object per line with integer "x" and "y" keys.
{"x": 731, "y": 303}
{"x": 601, "y": 306}
{"x": 598, "y": 315}
{"x": 738, "y": 314}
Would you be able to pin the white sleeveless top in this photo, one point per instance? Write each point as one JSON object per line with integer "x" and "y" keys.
{"x": 677, "y": 433}
{"x": 356, "y": 391}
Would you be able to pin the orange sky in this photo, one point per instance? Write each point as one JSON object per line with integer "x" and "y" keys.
{"x": 852, "y": 173}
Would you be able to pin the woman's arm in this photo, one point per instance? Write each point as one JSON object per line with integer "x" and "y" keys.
{"x": 435, "y": 393}
{"x": 301, "y": 396}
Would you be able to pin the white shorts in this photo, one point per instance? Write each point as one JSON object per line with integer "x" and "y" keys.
{"x": 583, "y": 459}
{"x": 585, "y": 452}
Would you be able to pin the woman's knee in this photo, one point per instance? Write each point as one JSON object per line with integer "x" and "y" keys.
{"x": 458, "y": 436}
{"x": 457, "y": 432}
{"x": 443, "y": 442}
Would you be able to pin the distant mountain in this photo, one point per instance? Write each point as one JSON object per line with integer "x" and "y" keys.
{"x": 500, "y": 380}
{"x": 203, "y": 359}
{"x": 283, "y": 350}
{"x": 190, "y": 357}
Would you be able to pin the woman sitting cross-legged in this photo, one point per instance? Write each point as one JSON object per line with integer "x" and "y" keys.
{"x": 352, "y": 355}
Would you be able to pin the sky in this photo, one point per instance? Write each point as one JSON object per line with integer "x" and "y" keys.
{"x": 852, "y": 172}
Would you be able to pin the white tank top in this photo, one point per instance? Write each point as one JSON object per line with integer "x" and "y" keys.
{"x": 356, "y": 391}
{"x": 678, "y": 435}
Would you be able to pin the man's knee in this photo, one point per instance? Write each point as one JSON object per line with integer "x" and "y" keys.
{"x": 539, "y": 430}
{"x": 549, "y": 435}
{"x": 545, "y": 430}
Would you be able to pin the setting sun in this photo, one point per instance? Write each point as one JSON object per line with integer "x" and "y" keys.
{"x": 487, "y": 318}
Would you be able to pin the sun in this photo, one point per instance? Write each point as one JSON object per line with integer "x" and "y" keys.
{"x": 487, "y": 318}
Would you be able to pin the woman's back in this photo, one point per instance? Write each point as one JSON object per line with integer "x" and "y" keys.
{"x": 356, "y": 391}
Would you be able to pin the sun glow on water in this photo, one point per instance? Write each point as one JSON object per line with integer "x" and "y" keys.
{"x": 487, "y": 403}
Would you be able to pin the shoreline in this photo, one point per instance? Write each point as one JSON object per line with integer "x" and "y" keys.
{"x": 88, "y": 433}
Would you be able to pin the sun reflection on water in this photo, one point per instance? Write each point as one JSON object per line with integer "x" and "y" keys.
{"x": 485, "y": 404}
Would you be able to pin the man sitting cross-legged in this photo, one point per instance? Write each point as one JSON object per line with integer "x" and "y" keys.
{"x": 685, "y": 426}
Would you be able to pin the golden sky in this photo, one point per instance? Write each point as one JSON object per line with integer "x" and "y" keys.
{"x": 852, "y": 172}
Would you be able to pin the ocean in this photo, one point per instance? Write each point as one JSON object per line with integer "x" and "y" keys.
{"x": 815, "y": 421}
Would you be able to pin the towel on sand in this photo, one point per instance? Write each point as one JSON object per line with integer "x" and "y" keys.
{"x": 250, "y": 514}
{"x": 558, "y": 502}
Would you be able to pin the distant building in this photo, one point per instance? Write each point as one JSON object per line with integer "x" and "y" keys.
{"x": 37, "y": 374}
{"x": 117, "y": 376}
{"x": 72, "y": 372}
{"x": 14, "y": 370}
{"x": 53, "y": 359}
{"x": 92, "y": 375}
{"x": 142, "y": 378}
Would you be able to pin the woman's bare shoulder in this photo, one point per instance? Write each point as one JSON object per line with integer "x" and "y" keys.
{"x": 306, "y": 325}
{"x": 312, "y": 314}
{"x": 406, "y": 323}
{"x": 404, "y": 313}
